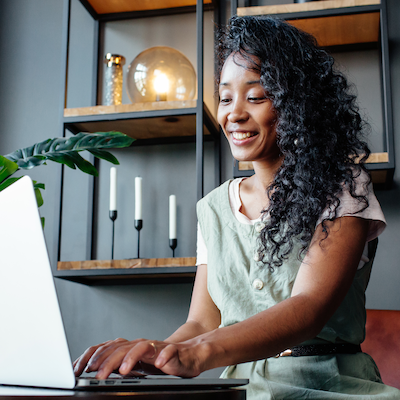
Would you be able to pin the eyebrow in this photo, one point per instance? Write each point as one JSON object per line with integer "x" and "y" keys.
{"x": 247, "y": 83}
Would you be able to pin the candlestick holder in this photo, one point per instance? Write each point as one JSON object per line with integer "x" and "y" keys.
{"x": 138, "y": 226}
{"x": 173, "y": 243}
{"x": 113, "y": 217}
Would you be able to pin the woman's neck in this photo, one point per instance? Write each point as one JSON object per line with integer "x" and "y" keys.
{"x": 265, "y": 171}
{"x": 253, "y": 191}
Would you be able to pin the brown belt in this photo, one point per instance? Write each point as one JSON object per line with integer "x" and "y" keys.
{"x": 320, "y": 350}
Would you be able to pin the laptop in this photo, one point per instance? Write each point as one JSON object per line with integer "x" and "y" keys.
{"x": 33, "y": 345}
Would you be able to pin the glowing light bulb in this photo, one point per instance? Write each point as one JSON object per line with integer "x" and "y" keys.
{"x": 161, "y": 73}
{"x": 161, "y": 86}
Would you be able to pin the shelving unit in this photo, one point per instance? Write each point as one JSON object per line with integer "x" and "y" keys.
{"x": 343, "y": 25}
{"x": 149, "y": 123}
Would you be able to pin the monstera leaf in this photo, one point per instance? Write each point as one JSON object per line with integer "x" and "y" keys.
{"x": 66, "y": 150}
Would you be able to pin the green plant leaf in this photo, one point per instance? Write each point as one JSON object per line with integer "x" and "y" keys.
{"x": 38, "y": 194}
{"x": 65, "y": 150}
{"x": 8, "y": 182}
{"x": 73, "y": 159}
{"x": 104, "y": 155}
{"x": 7, "y": 168}
{"x": 38, "y": 185}
{"x": 39, "y": 198}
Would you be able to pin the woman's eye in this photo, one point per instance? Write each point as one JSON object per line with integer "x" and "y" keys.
{"x": 257, "y": 98}
{"x": 225, "y": 100}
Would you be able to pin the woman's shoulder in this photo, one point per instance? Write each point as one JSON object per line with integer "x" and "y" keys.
{"x": 218, "y": 201}
{"x": 217, "y": 192}
{"x": 350, "y": 205}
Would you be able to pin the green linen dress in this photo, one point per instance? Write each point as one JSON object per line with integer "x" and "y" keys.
{"x": 241, "y": 287}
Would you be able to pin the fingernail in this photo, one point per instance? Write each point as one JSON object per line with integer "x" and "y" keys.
{"x": 123, "y": 366}
{"x": 159, "y": 363}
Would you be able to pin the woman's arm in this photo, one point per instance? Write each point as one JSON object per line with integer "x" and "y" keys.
{"x": 203, "y": 317}
{"x": 323, "y": 280}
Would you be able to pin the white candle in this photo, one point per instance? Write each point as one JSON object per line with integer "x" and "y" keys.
{"x": 138, "y": 197}
{"x": 113, "y": 189}
{"x": 172, "y": 216}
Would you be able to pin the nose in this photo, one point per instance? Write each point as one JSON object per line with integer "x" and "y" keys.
{"x": 238, "y": 112}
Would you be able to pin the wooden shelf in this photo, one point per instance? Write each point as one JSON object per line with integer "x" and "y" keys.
{"x": 330, "y": 30}
{"x": 128, "y": 108}
{"x": 303, "y": 7}
{"x": 381, "y": 176}
{"x": 374, "y": 158}
{"x": 342, "y": 30}
{"x": 122, "y": 6}
{"x": 142, "y": 121}
{"x": 131, "y": 271}
{"x": 131, "y": 263}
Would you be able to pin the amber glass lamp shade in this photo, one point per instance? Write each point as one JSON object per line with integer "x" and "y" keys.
{"x": 160, "y": 74}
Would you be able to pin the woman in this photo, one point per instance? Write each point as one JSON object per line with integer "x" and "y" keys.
{"x": 283, "y": 255}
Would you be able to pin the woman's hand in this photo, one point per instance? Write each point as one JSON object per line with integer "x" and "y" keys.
{"x": 107, "y": 357}
{"x": 139, "y": 357}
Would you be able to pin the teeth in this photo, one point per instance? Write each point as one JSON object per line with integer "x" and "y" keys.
{"x": 240, "y": 136}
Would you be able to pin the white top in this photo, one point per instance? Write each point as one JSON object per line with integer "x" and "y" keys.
{"x": 348, "y": 207}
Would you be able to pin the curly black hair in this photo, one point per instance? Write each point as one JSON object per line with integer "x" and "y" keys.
{"x": 319, "y": 129}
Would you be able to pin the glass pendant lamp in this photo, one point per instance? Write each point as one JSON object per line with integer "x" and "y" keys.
{"x": 161, "y": 74}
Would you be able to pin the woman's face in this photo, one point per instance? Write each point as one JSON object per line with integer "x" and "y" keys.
{"x": 246, "y": 116}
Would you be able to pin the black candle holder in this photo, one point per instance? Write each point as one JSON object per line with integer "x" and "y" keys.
{"x": 113, "y": 217}
{"x": 173, "y": 243}
{"x": 138, "y": 226}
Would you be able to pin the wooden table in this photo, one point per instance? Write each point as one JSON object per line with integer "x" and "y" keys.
{"x": 28, "y": 393}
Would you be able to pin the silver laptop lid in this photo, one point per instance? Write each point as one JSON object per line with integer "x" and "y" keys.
{"x": 33, "y": 345}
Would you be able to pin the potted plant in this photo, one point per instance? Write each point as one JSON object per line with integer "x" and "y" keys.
{"x": 62, "y": 150}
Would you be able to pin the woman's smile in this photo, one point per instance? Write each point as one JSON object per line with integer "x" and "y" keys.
{"x": 243, "y": 138}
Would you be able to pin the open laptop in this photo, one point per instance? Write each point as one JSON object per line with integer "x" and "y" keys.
{"x": 33, "y": 345}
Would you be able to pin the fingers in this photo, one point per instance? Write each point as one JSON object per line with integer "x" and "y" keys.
{"x": 141, "y": 355}
{"x": 146, "y": 351}
{"x": 178, "y": 360}
{"x": 94, "y": 356}
{"x": 111, "y": 363}
{"x": 118, "y": 355}
{"x": 81, "y": 362}
{"x": 168, "y": 353}
{"x": 169, "y": 362}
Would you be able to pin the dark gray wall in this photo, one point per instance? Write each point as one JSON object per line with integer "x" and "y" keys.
{"x": 30, "y": 82}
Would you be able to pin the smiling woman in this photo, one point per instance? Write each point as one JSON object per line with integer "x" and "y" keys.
{"x": 283, "y": 259}
{"x": 318, "y": 128}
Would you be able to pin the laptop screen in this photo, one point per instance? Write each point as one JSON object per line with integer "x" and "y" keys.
{"x": 33, "y": 345}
